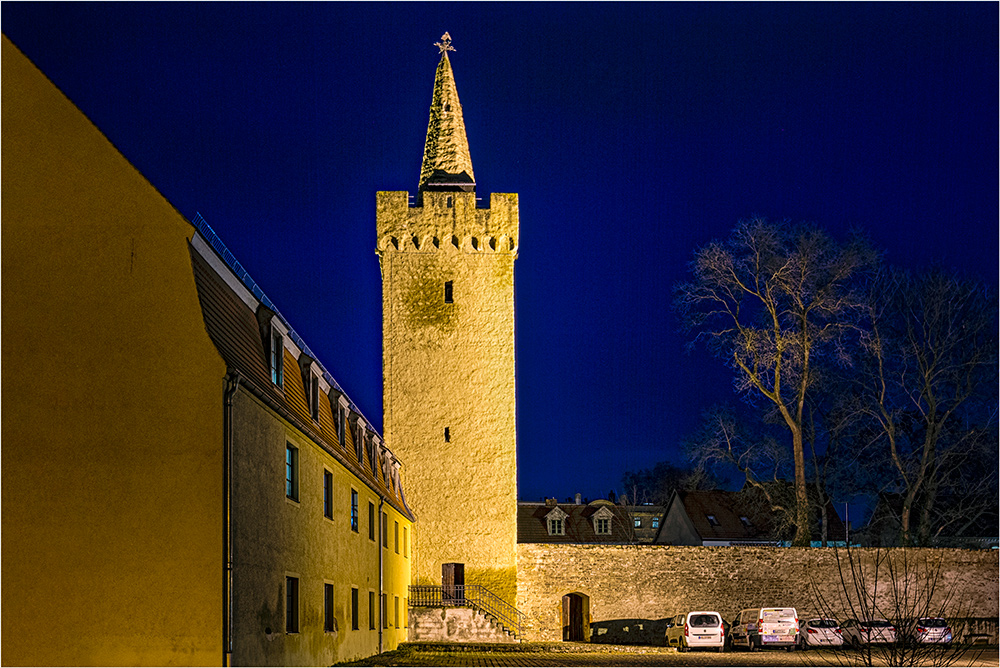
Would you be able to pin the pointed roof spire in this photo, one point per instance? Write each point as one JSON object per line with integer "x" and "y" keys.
{"x": 447, "y": 164}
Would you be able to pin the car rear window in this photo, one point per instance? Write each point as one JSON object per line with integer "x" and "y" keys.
{"x": 823, "y": 623}
{"x": 705, "y": 620}
{"x": 931, "y": 621}
{"x": 778, "y": 615}
{"x": 878, "y": 624}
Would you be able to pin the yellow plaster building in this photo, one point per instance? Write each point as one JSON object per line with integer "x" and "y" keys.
{"x": 448, "y": 354}
{"x": 183, "y": 483}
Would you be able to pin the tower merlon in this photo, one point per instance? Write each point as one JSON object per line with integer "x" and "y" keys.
{"x": 448, "y": 221}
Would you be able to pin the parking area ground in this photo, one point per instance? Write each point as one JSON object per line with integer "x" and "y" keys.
{"x": 584, "y": 654}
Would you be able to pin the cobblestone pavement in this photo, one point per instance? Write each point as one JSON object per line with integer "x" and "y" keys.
{"x": 566, "y": 654}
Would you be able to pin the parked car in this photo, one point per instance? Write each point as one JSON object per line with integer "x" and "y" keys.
{"x": 868, "y": 632}
{"x": 697, "y": 629}
{"x": 930, "y": 630}
{"x": 755, "y": 628}
{"x": 820, "y": 633}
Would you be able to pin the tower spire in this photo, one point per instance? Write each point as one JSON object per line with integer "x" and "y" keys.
{"x": 447, "y": 164}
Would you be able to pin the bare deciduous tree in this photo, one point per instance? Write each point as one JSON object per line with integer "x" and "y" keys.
{"x": 773, "y": 301}
{"x": 931, "y": 349}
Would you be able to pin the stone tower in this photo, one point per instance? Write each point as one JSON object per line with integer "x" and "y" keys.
{"x": 448, "y": 355}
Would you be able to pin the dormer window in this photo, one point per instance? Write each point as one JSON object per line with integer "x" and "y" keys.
{"x": 637, "y": 522}
{"x": 277, "y": 358}
{"x": 312, "y": 383}
{"x": 359, "y": 439}
{"x": 712, "y": 521}
{"x": 602, "y": 521}
{"x": 314, "y": 397}
{"x": 555, "y": 521}
{"x": 272, "y": 335}
{"x": 656, "y": 522}
{"x": 338, "y": 406}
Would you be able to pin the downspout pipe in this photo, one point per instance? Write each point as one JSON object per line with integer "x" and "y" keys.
{"x": 382, "y": 602}
{"x": 232, "y": 383}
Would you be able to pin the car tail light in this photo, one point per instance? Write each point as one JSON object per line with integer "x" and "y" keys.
{"x": 921, "y": 629}
{"x": 760, "y": 623}
{"x": 947, "y": 630}
{"x": 685, "y": 630}
{"x": 811, "y": 631}
{"x": 839, "y": 630}
{"x": 722, "y": 631}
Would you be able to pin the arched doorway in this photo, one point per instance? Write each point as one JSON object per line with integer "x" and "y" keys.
{"x": 576, "y": 617}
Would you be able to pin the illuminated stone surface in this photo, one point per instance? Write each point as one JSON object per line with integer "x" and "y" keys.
{"x": 451, "y": 365}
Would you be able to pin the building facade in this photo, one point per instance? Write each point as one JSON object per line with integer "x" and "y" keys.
{"x": 447, "y": 267}
{"x": 183, "y": 483}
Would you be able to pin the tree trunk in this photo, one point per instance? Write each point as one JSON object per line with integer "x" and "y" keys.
{"x": 803, "y": 536}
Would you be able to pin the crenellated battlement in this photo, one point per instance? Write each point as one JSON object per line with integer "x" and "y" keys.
{"x": 446, "y": 222}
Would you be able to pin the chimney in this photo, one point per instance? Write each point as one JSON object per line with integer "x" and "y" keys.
{"x": 550, "y": 502}
{"x": 579, "y": 498}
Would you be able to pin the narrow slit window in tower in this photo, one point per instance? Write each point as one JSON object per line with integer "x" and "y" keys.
{"x": 447, "y": 435}
{"x": 450, "y": 203}
{"x": 449, "y": 293}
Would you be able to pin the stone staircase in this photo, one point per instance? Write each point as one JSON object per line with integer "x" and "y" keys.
{"x": 456, "y": 624}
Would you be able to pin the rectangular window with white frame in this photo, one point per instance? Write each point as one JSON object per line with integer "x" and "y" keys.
{"x": 354, "y": 510}
{"x": 327, "y": 495}
{"x": 291, "y": 472}
{"x": 371, "y": 521}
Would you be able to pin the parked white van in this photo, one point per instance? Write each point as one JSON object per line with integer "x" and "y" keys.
{"x": 755, "y": 628}
{"x": 696, "y": 629}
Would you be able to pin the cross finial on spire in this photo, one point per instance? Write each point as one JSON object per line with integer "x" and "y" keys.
{"x": 445, "y": 43}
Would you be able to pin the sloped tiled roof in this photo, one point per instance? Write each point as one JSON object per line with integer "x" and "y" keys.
{"x": 727, "y": 509}
{"x": 578, "y": 524}
{"x": 233, "y": 328}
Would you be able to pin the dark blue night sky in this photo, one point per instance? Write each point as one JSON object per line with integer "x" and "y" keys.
{"x": 633, "y": 133}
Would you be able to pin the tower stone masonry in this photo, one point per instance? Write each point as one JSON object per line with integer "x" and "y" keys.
{"x": 448, "y": 355}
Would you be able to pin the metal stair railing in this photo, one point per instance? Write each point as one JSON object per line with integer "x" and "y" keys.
{"x": 469, "y": 596}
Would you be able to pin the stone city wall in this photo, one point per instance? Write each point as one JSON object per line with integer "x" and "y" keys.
{"x": 630, "y": 590}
